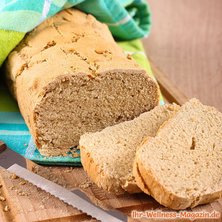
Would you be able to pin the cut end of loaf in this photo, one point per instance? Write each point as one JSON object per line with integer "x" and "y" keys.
{"x": 73, "y": 105}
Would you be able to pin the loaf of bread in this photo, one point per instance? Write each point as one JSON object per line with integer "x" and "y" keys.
{"x": 108, "y": 156}
{"x": 70, "y": 77}
{"x": 182, "y": 166}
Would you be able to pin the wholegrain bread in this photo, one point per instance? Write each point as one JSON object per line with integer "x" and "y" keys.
{"x": 107, "y": 156}
{"x": 70, "y": 77}
{"x": 182, "y": 166}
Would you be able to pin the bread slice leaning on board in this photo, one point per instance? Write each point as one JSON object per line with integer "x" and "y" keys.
{"x": 181, "y": 166}
{"x": 107, "y": 156}
{"x": 70, "y": 77}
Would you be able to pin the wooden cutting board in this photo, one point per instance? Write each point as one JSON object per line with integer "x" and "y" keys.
{"x": 73, "y": 178}
{"x": 21, "y": 201}
{"x": 28, "y": 203}
{"x": 42, "y": 207}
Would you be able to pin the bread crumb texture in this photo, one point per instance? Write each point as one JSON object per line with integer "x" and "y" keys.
{"x": 182, "y": 165}
{"x": 107, "y": 156}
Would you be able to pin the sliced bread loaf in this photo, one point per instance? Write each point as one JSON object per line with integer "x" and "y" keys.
{"x": 108, "y": 156}
{"x": 182, "y": 166}
{"x": 70, "y": 77}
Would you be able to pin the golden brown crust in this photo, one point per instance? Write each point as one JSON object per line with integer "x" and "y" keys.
{"x": 139, "y": 180}
{"x": 72, "y": 39}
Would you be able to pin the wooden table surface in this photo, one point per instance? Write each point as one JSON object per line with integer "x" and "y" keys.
{"x": 186, "y": 44}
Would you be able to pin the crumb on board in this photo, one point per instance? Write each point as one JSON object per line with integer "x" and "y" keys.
{"x": 69, "y": 170}
{"x": 41, "y": 206}
{"x": 21, "y": 193}
{"x": 12, "y": 187}
{"x": 85, "y": 184}
{"x": 14, "y": 176}
{"x": 2, "y": 198}
{"x": 6, "y": 208}
{"x": 22, "y": 183}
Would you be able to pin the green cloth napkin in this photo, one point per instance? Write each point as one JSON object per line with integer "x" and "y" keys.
{"x": 126, "y": 19}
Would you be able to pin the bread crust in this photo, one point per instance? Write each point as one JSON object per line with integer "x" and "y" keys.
{"x": 139, "y": 180}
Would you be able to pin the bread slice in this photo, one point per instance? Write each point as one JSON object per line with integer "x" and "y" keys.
{"x": 70, "y": 77}
{"x": 107, "y": 156}
{"x": 182, "y": 166}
